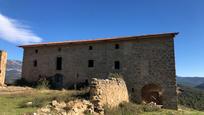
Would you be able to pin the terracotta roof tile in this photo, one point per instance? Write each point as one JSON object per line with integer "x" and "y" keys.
{"x": 101, "y": 40}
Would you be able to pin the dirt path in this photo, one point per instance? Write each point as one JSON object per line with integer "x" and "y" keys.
{"x": 14, "y": 90}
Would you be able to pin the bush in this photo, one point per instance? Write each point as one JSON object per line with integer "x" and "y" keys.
{"x": 149, "y": 108}
{"x": 36, "y": 102}
{"x": 23, "y": 82}
{"x": 43, "y": 84}
{"x": 39, "y": 102}
{"x": 130, "y": 109}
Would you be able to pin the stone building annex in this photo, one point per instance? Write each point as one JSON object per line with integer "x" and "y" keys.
{"x": 3, "y": 60}
{"x": 146, "y": 62}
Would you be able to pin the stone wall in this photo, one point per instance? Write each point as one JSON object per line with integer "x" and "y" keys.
{"x": 3, "y": 60}
{"x": 108, "y": 92}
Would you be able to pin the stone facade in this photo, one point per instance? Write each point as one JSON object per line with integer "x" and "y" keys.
{"x": 147, "y": 62}
{"x": 3, "y": 60}
{"x": 108, "y": 92}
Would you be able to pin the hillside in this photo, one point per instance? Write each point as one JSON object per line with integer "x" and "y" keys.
{"x": 201, "y": 86}
{"x": 13, "y": 71}
{"x": 190, "y": 81}
{"x": 191, "y": 97}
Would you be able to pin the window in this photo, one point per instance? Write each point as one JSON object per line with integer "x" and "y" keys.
{"x": 77, "y": 75}
{"x": 117, "y": 46}
{"x": 91, "y": 63}
{"x": 87, "y": 81}
{"x": 90, "y": 47}
{"x": 59, "y": 63}
{"x": 133, "y": 90}
{"x": 35, "y": 63}
{"x": 117, "y": 65}
{"x": 36, "y": 51}
{"x": 59, "y": 49}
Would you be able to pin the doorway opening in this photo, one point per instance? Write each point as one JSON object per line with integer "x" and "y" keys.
{"x": 57, "y": 81}
{"x": 152, "y": 93}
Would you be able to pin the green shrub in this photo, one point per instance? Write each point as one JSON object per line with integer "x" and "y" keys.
{"x": 170, "y": 113}
{"x": 191, "y": 97}
{"x": 39, "y": 102}
{"x": 130, "y": 109}
{"x": 149, "y": 108}
{"x": 42, "y": 84}
{"x": 36, "y": 102}
{"x": 23, "y": 82}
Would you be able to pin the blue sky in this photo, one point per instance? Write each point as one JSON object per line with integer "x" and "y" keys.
{"x": 59, "y": 20}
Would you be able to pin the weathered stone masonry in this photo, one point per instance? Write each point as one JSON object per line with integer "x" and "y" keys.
{"x": 146, "y": 62}
{"x": 108, "y": 92}
{"x": 3, "y": 60}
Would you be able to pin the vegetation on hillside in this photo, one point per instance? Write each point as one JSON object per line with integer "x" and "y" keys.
{"x": 190, "y": 81}
{"x": 201, "y": 86}
{"x": 191, "y": 97}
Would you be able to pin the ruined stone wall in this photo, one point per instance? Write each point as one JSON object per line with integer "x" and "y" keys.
{"x": 108, "y": 92}
{"x": 3, "y": 60}
{"x": 142, "y": 61}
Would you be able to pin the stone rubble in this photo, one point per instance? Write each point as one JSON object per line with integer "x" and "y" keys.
{"x": 75, "y": 107}
{"x": 110, "y": 92}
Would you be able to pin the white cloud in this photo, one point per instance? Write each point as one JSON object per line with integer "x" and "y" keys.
{"x": 13, "y": 31}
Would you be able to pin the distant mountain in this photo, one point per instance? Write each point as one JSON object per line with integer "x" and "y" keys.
{"x": 190, "y": 81}
{"x": 13, "y": 71}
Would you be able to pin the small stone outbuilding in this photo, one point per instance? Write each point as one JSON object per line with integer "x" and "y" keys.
{"x": 108, "y": 92}
{"x": 3, "y": 60}
{"x": 147, "y": 63}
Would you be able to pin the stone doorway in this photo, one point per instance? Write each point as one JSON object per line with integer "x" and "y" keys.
{"x": 152, "y": 93}
{"x": 57, "y": 81}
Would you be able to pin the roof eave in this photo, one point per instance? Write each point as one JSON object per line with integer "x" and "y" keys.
{"x": 100, "y": 40}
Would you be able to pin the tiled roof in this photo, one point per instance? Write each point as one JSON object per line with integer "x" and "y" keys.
{"x": 102, "y": 40}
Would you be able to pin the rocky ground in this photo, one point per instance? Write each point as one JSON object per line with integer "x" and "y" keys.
{"x": 75, "y": 107}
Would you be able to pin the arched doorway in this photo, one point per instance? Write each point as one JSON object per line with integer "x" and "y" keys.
{"x": 152, "y": 93}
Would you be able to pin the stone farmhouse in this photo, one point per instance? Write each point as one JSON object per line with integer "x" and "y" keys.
{"x": 3, "y": 60}
{"x": 147, "y": 63}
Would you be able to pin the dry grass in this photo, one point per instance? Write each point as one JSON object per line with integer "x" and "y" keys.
{"x": 15, "y": 103}
{"x": 135, "y": 109}
{"x": 12, "y": 102}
